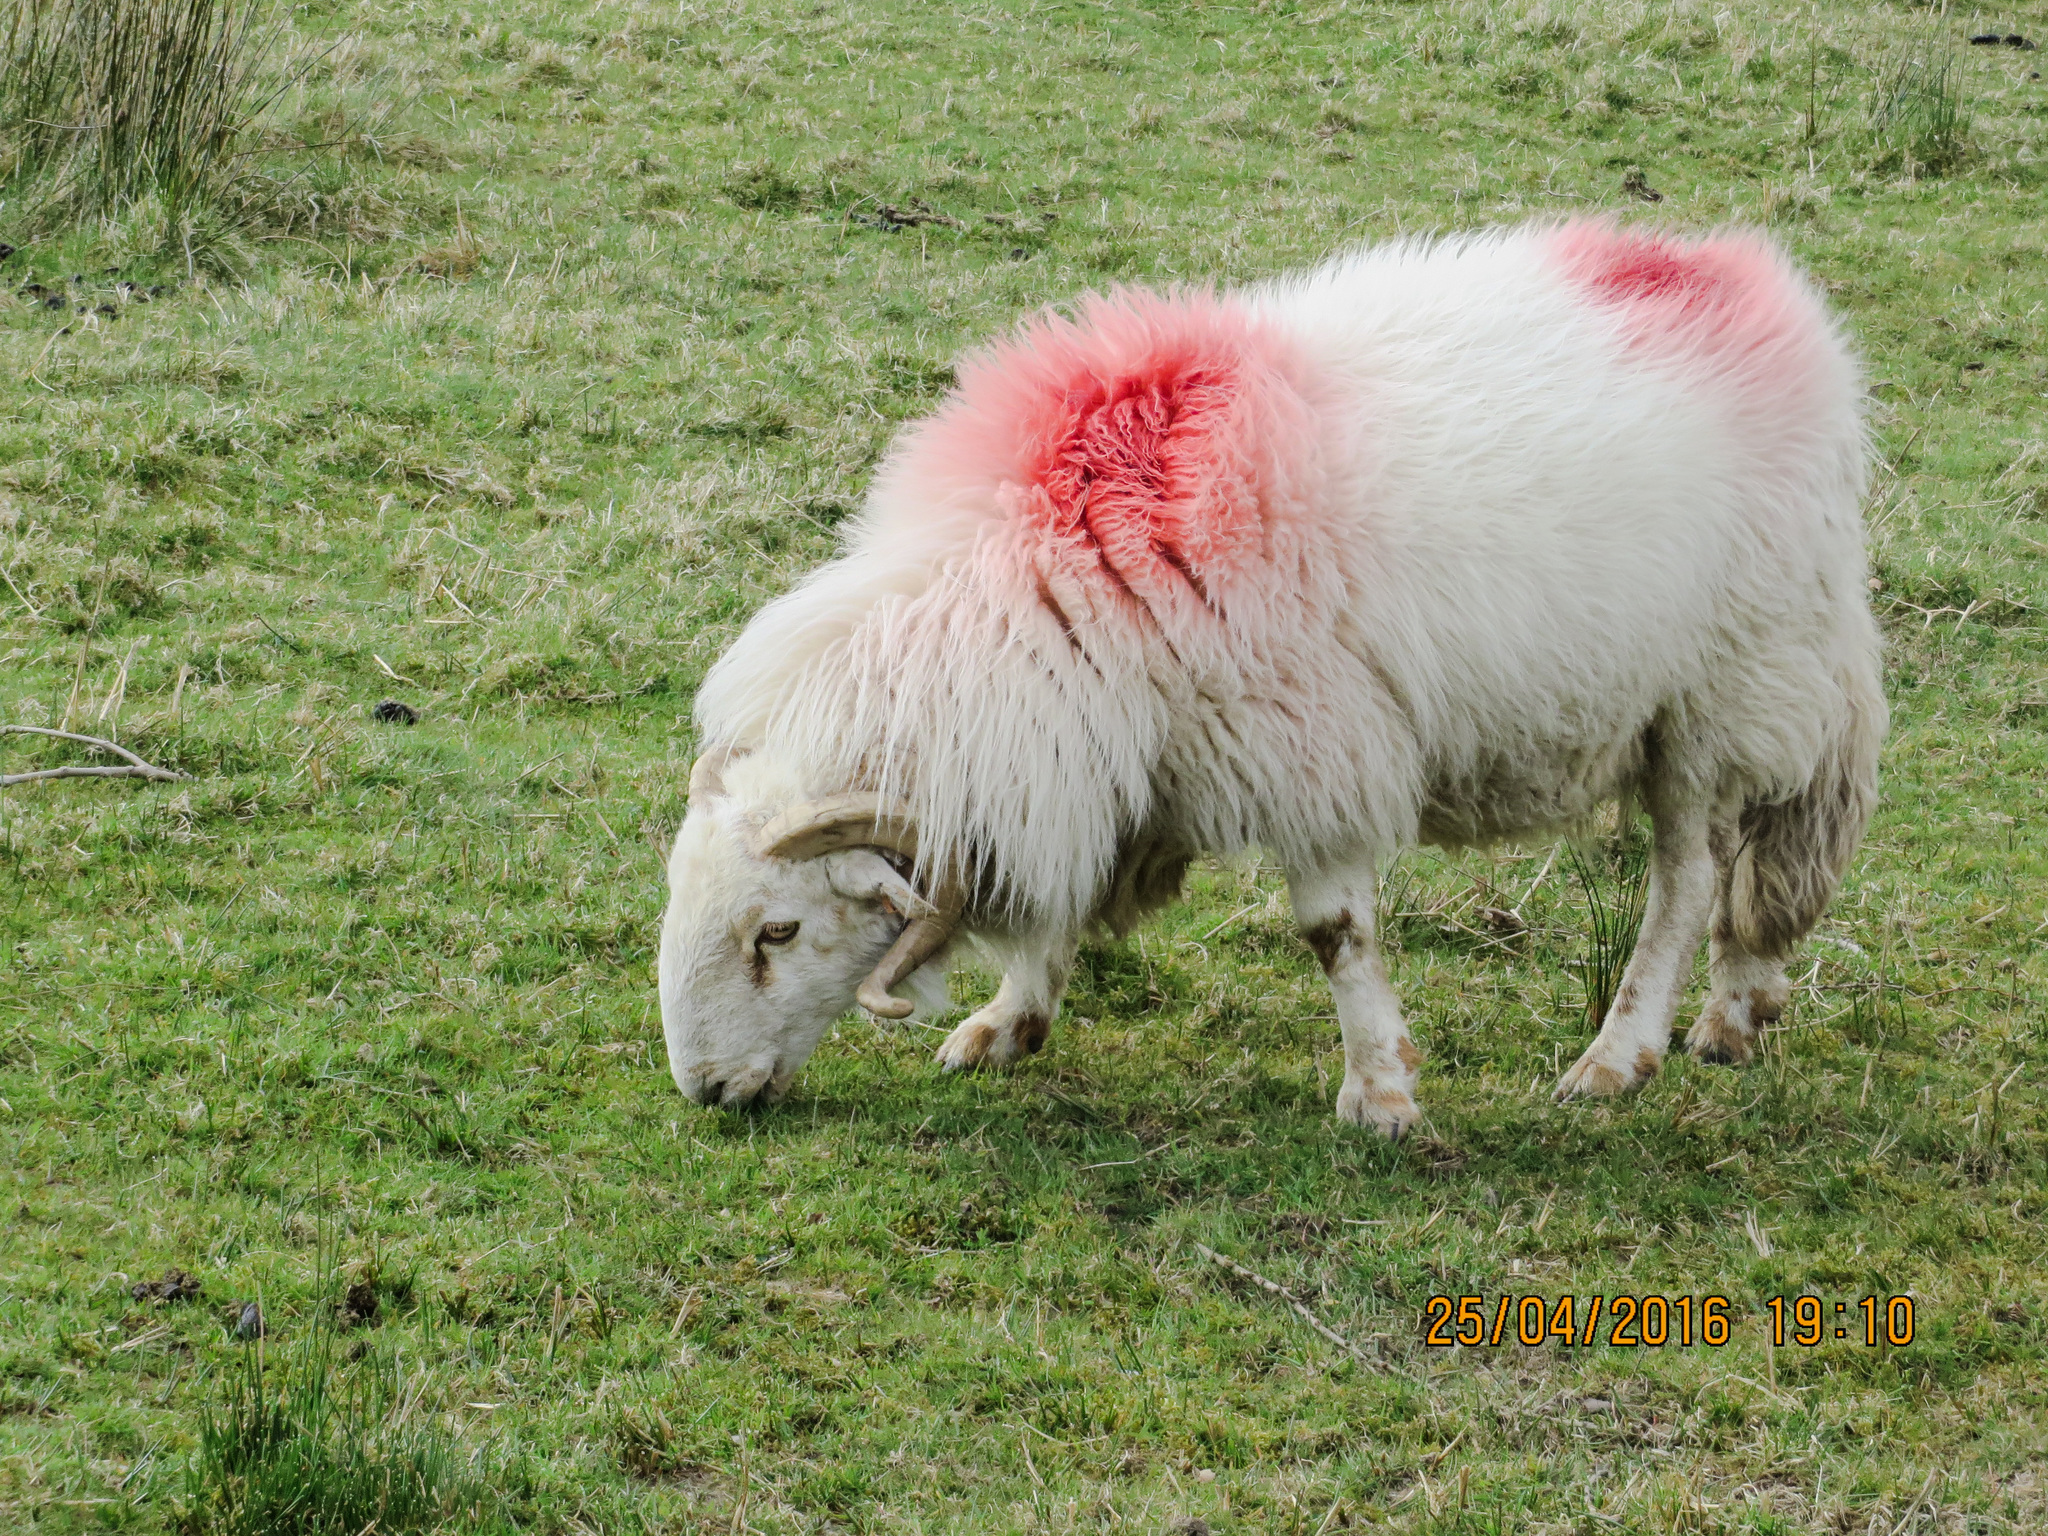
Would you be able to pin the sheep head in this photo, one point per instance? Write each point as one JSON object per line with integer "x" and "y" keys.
{"x": 784, "y": 911}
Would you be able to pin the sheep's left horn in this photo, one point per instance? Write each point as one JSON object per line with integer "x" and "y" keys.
{"x": 814, "y": 827}
{"x": 818, "y": 827}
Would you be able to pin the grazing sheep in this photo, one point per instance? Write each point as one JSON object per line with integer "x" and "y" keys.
{"x": 1445, "y": 541}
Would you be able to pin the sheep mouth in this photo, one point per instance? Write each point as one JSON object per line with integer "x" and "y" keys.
{"x": 750, "y": 1087}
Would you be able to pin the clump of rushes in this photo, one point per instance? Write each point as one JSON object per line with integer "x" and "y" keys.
{"x": 1616, "y": 879}
{"x": 105, "y": 103}
{"x": 1918, "y": 110}
{"x": 308, "y": 1448}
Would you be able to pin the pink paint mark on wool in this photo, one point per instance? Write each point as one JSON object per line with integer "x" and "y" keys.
{"x": 1148, "y": 431}
{"x": 1137, "y": 470}
{"x": 1730, "y": 299}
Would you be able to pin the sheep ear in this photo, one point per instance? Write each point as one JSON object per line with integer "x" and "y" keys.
{"x": 707, "y": 774}
{"x": 860, "y": 874}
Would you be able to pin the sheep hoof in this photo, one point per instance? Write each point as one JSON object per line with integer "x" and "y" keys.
{"x": 967, "y": 1047}
{"x": 989, "y": 1039}
{"x": 1390, "y": 1111}
{"x": 1718, "y": 1038}
{"x": 1593, "y": 1078}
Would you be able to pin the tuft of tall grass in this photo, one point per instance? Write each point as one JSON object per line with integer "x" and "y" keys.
{"x": 1919, "y": 109}
{"x": 1616, "y": 879}
{"x": 309, "y": 1448}
{"x": 104, "y": 103}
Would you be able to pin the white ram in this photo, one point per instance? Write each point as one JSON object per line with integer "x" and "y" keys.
{"x": 1445, "y": 541}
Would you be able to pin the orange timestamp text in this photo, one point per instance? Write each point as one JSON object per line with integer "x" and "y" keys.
{"x": 1656, "y": 1322}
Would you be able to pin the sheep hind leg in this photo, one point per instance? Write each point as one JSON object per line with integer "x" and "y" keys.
{"x": 1016, "y": 1021}
{"x": 1747, "y": 991}
{"x": 1334, "y": 907}
{"x": 1629, "y": 1050}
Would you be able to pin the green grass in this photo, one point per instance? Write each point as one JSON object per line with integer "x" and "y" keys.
{"x": 560, "y": 337}
{"x": 318, "y": 1448}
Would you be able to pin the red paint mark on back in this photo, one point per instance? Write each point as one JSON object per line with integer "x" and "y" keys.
{"x": 1149, "y": 434}
{"x": 1139, "y": 470}
{"x": 1730, "y": 299}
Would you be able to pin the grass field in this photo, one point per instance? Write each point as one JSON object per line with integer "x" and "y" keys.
{"x": 555, "y": 338}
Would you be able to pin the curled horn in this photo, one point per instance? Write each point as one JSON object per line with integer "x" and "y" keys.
{"x": 813, "y": 827}
{"x": 921, "y": 938}
{"x": 817, "y": 827}
{"x": 707, "y": 774}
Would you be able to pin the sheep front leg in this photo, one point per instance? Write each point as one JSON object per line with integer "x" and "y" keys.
{"x": 1016, "y": 1021}
{"x": 1633, "y": 1037}
{"x": 1333, "y": 906}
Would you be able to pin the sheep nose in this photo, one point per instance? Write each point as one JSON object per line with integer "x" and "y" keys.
{"x": 746, "y": 1086}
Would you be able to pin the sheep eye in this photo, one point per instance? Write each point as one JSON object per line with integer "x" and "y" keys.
{"x": 777, "y": 933}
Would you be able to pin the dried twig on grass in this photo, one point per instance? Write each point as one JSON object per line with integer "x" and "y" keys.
{"x": 1300, "y": 1308}
{"x": 906, "y": 216}
{"x": 135, "y": 768}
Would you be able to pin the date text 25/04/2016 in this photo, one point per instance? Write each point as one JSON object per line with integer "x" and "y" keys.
{"x": 1655, "y": 1322}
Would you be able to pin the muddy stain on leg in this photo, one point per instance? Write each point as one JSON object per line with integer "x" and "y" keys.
{"x": 1331, "y": 938}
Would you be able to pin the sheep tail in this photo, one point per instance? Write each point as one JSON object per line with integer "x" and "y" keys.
{"x": 1793, "y": 851}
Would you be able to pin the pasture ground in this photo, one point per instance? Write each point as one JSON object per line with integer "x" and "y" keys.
{"x": 522, "y": 394}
